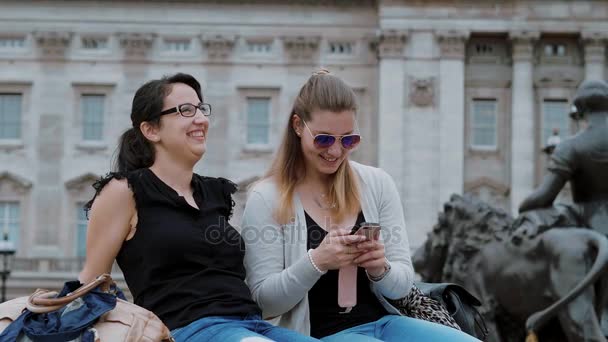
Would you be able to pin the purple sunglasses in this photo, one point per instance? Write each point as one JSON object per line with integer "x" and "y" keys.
{"x": 348, "y": 141}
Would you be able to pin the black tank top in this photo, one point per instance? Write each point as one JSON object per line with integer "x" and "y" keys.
{"x": 326, "y": 317}
{"x": 184, "y": 263}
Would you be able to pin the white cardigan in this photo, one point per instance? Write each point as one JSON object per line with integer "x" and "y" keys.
{"x": 279, "y": 271}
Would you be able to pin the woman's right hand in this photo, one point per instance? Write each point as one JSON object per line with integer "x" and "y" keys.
{"x": 337, "y": 249}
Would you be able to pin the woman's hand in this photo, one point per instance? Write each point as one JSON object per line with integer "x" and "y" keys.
{"x": 337, "y": 249}
{"x": 371, "y": 257}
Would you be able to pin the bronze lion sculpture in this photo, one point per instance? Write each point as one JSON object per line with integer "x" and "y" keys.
{"x": 472, "y": 245}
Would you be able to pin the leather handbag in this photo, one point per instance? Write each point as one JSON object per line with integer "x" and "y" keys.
{"x": 91, "y": 312}
{"x": 444, "y": 303}
{"x": 460, "y": 304}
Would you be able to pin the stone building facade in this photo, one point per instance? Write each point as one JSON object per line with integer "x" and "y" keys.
{"x": 455, "y": 96}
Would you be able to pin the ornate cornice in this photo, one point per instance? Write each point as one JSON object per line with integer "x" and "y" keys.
{"x": 20, "y": 185}
{"x": 136, "y": 45}
{"x": 523, "y": 44}
{"x": 391, "y": 43}
{"x": 52, "y": 44}
{"x": 81, "y": 183}
{"x": 301, "y": 47}
{"x": 595, "y": 46}
{"x": 478, "y": 183}
{"x": 452, "y": 43}
{"x": 219, "y": 46}
{"x": 563, "y": 78}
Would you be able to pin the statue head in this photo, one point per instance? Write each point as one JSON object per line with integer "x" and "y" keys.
{"x": 591, "y": 97}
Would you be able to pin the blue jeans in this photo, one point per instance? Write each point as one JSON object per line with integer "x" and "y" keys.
{"x": 235, "y": 329}
{"x": 399, "y": 328}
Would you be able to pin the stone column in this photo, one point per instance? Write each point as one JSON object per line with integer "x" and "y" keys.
{"x": 391, "y": 103}
{"x": 451, "y": 112}
{"x": 52, "y": 49}
{"x": 522, "y": 117}
{"x": 595, "y": 54}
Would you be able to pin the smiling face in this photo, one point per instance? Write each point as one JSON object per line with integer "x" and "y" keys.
{"x": 182, "y": 137}
{"x": 325, "y": 161}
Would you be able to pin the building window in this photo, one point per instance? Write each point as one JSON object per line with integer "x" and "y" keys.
{"x": 12, "y": 42}
{"x": 258, "y": 120}
{"x": 259, "y": 48}
{"x": 484, "y": 124}
{"x": 555, "y": 50}
{"x": 9, "y": 221}
{"x": 341, "y": 48}
{"x": 92, "y": 109}
{"x": 555, "y": 118}
{"x": 177, "y": 45}
{"x": 81, "y": 231}
{"x": 10, "y": 116}
{"x": 94, "y": 43}
{"x": 484, "y": 49}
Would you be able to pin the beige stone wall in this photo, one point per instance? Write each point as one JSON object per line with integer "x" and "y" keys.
{"x": 414, "y": 64}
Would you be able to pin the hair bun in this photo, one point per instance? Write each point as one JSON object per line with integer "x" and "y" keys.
{"x": 321, "y": 71}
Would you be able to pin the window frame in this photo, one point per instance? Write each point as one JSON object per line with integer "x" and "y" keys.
{"x": 78, "y": 210}
{"x": 27, "y": 126}
{"x": 472, "y": 126}
{"x": 268, "y": 101}
{"x": 542, "y": 121}
{"x": 19, "y": 123}
{"x": 93, "y": 121}
{"x": 166, "y": 41}
{"x": 16, "y": 240}
{"x": 80, "y": 89}
{"x": 273, "y": 137}
{"x": 14, "y": 188}
{"x": 16, "y": 51}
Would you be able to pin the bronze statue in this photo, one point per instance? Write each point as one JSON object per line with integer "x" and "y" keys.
{"x": 581, "y": 160}
{"x": 472, "y": 245}
{"x": 525, "y": 271}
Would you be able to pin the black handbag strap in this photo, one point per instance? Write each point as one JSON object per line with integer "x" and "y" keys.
{"x": 437, "y": 290}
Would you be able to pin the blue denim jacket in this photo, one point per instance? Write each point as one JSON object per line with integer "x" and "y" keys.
{"x": 67, "y": 323}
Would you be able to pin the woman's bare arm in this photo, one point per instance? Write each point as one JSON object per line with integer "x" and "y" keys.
{"x": 109, "y": 224}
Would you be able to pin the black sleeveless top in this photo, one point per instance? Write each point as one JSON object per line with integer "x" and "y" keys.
{"x": 326, "y": 317}
{"x": 184, "y": 263}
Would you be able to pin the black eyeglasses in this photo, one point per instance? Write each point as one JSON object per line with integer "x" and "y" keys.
{"x": 189, "y": 110}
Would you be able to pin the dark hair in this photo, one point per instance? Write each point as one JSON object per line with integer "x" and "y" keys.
{"x": 134, "y": 150}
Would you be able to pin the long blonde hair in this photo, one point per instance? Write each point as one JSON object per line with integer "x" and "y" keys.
{"x": 322, "y": 91}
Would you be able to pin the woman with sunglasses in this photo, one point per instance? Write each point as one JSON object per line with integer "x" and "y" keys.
{"x": 167, "y": 227}
{"x": 297, "y": 228}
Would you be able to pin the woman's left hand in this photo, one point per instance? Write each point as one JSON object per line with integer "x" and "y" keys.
{"x": 372, "y": 257}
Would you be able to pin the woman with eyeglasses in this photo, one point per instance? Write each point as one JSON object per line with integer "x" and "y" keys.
{"x": 303, "y": 261}
{"x": 167, "y": 227}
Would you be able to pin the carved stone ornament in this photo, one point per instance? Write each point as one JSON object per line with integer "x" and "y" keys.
{"x": 595, "y": 46}
{"x": 52, "y": 44}
{"x": 219, "y": 46}
{"x": 301, "y": 47}
{"x": 391, "y": 43}
{"x": 452, "y": 43}
{"x": 422, "y": 91}
{"x": 136, "y": 45}
{"x": 523, "y": 44}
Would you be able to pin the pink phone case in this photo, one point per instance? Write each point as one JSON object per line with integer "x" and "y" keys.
{"x": 347, "y": 276}
{"x": 347, "y": 287}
